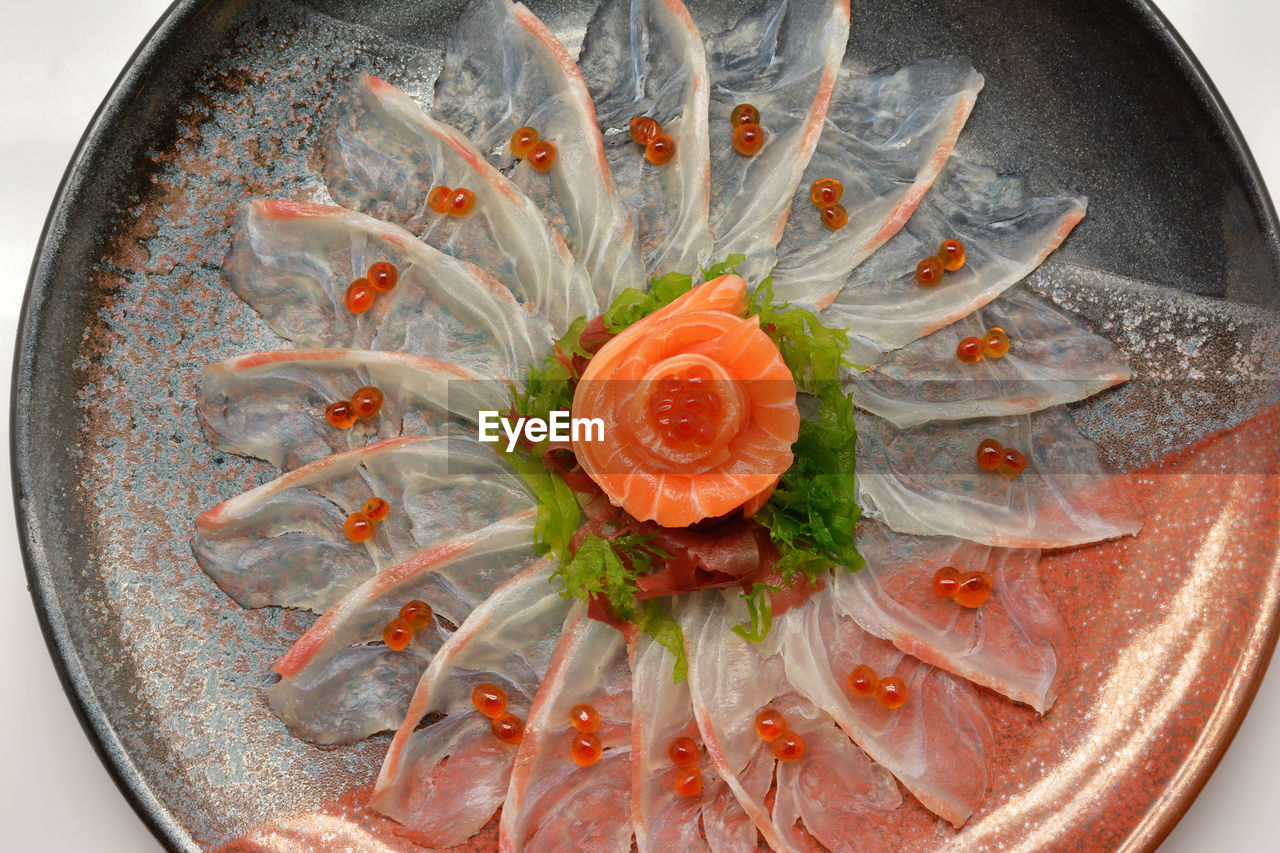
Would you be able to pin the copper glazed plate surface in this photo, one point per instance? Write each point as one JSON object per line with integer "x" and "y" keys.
{"x": 1178, "y": 261}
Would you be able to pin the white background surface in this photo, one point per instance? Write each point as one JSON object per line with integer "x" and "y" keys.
{"x": 60, "y": 57}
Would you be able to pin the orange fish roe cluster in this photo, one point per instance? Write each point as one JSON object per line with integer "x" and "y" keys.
{"x": 891, "y": 692}
{"x": 527, "y": 144}
{"x": 659, "y": 146}
{"x": 687, "y": 779}
{"x": 364, "y": 403}
{"x": 381, "y": 277}
{"x": 772, "y": 727}
{"x": 748, "y": 135}
{"x": 993, "y": 456}
{"x": 360, "y": 526}
{"x": 995, "y": 344}
{"x": 950, "y": 258}
{"x": 453, "y": 201}
{"x": 585, "y": 748}
{"x": 970, "y": 589}
{"x": 825, "y": 193}
{"x": 399, "y": 631}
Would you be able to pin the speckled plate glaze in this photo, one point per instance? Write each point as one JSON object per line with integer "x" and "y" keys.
{"x": 1178, "y": 261}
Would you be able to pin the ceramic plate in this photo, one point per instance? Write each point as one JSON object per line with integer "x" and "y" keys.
{"x": 1177, "y": 261}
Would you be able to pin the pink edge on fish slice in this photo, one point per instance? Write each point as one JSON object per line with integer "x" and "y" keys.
{"x": 783, "y": 66}
{"x": 340, "y": 683}
{"x": 446, "y": 773}
{"x": 553, "y": 804}
{"x": 887, "y": 136}
{"x": 731, "y": 681}
{"x": 936, "y": 744}
{"x": 1015, "y": 643}
{"x": 271, "y": 405}
{"x": 283, "y": 543}
{"x": 384, "y": 154}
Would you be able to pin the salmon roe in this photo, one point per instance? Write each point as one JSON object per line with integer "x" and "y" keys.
{"x": 946, "y": 581}
{"x": 863, "y": 681}
{"x": 417, "y": 612}
{"x": 788, "y": 746}
{"x": 366, "y": 402}
{"x": 490, "y": 700}
{"x": 685, "y": 409}
{"x": 974, "y": 589}
{"x": 834, "y": 216}
{"x": 397, "y": 634}
{"x": 461, "y": 202}
{"x": 358, "y": 527}
{"x": 383, "y": 276}
{"x": 438, "y": 199}
{"x": 687, "y": 781}
{"x": 989, "y": 454}
{"x": 523, "y": 140}
{"x": 996, "y": 343}
{"x": 826, "y": 192}
{"x": 744, "y": 114}
{"x": 748, "y": 139}
{"x": 644, "y": 130}
{"x": 682, "y": 751}
{"x": 951, "y": 254}
{"x": 375, "y": 509}
{"x": 339, "y": 414}
{"x": 970, "y": 350}
{"x": 660, "y": 151}
{"x": 929, "y": 272}
{"x": 542, "y": 156}
{"x": 770, "y": 724}
{"x": 586, "y": 749}
{"x": 584, "y": 718}
{"x": 508, "y": 728}
{"x": 892, "y": 692}
{"x": 1012, "y": 463}
{"x": 360, "y": 295}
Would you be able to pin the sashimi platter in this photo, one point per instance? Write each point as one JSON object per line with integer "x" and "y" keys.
{"x": 626, "y": 425}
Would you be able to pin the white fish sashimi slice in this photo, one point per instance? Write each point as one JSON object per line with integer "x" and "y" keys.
{"x": 925, "y": 480}
{"x": 283, "y": 543}
{"x": 663, "y": 819}
{"x": 503, "y": 70}
{"x": 1007, "y": 229}
{"x": 731, "y": 681}
{"x": 888, "y": 135}
{"x": 782, "y": 58}
{"x": 292, "y": 262}
{"x": 340, "y": 683}
{"x": 936, "y": 743}
{"x": 444, "y": 780}
{"x": 271, "y": 405}
{"x": 553, "y": 804}
{"x": 1014, "y": 643}
{"x": 1053, "y": 359}
{"x": 383, "y": 155}
{"x": 645, "y": 58}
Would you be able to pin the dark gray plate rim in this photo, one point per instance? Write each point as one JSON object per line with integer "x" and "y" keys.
{"x": 25, "y": 431}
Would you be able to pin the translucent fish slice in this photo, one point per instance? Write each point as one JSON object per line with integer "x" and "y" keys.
{"x": 731, "y": 681}
{"x": 383, "y": 155}
{"x": 782, "y": 57}
{"x": 504, "y": 70}
{"x": 936, "y": 743}
{"x": 553, "y": 804}
{"x": 507, "y": 641}
{"x": 1014, "y": 643}
{"x": 272, "y": 405}
{"x": 887, "y": 136}
{"x": 284, "y": 542}
{"x": 1007, "y": 228}
{"x": 645, "y": 58}
{"x": 925, "y": 480}
{"x": 293, "y": 263}
{"x": 1053, "y": 359}
{"x": 340, "y": 683}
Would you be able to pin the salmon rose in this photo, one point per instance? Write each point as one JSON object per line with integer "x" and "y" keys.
{"x": 699, "y": 410}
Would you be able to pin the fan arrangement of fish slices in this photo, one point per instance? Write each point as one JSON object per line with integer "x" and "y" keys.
{"x": 481, "y": 297}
